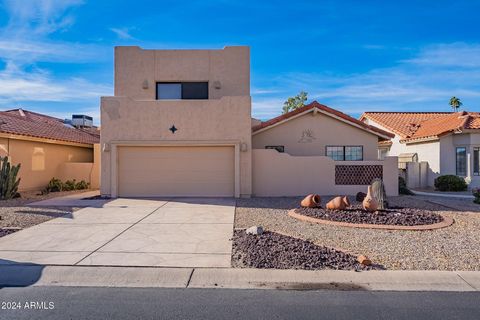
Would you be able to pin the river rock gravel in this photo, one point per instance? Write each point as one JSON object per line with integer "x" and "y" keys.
{"x": 271, "y": 250}
{"x": 391, "y": 216}
{"x": 456, "y": 247}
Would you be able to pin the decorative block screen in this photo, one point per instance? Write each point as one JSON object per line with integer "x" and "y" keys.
{"x": 357, "y": 174}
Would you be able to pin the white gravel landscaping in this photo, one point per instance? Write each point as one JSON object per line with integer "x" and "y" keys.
{"x": 16, "y": 213}
{"x": 453, "y": 248}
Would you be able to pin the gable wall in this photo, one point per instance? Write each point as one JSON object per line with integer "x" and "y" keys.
{"x": 326, "y": 131}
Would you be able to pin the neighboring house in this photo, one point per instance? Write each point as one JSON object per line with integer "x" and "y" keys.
{"x": 48, "y": 147}
{"x": 448, "y": 142}
{"x": 180, "y": 125}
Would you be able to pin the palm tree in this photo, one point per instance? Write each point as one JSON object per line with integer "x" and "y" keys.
{"x": 455, "y": 103}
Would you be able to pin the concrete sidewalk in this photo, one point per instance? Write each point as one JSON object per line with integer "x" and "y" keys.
{"x": 87, "y": 276}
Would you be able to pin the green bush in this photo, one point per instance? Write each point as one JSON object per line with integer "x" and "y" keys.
{"x": 69, "y": 185}
{"x": 56, "y": 185}
{"x": 82, "y": 185}
{"x": 450, "y": 183}
{"x": 402, "y": 187}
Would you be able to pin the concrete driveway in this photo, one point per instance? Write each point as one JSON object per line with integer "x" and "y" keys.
{"x": 191, "y": 232}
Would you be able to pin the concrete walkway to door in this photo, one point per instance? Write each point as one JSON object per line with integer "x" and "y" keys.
{"x": 189, "y": 232}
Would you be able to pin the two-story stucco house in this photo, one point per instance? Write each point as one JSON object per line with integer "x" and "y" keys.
{"x": 448, "y": 142}
{"x": 180, "y": 124}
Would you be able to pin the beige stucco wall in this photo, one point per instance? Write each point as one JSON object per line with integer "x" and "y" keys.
{"x": 229, "y": 66}
{"x": 280, "y": 174}
{"x": 134, "y": 117}
{"x": 225, "y": 121}
{"x": 42, "y": 161}
{"x": 326, "y": 131}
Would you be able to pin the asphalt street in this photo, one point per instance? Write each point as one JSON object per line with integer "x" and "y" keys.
{"x": 147, "y": 303}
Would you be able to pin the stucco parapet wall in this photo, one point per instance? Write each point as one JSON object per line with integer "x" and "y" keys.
{"x": 227, "y": 118}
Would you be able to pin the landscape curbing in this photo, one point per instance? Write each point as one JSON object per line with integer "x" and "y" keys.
{"x": 233, "y": 278}
{"x": 447, "y": 221}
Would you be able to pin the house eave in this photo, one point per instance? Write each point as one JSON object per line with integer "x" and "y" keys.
{"x": 44, "y": 140}
{"x": 315, "y": 111}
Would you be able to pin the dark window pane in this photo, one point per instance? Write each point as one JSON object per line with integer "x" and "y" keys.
{"x": 354, "y": 153}
{"x": 169, "y": 91}
{"x": 461, "y": 161}
{"x": 195, "y": 90}
{"x": 336, "y": 153}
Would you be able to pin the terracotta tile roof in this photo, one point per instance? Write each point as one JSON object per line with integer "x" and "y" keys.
{"x": 32, "y": 124}
{"x": 421, "y": 125}
{"x": 315, "y": 104}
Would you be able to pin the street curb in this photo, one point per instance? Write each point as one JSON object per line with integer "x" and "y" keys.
{"x": 154, "y": 277}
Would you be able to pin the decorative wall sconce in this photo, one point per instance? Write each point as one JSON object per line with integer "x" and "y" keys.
{"x": 145, "y": 84}
{"x": 243, "y": 147}
{"x": 106, "y": 147}
{"x": 217, "y": 85}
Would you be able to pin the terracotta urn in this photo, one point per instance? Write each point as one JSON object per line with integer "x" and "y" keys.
{"x": 370, "y": 203}
{"x": 311, "y": 201}
{"x": 346, "y": 201}
{"x": 337, "y": 203}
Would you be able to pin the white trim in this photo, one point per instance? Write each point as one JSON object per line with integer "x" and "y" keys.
{"x": 317, "y": 110}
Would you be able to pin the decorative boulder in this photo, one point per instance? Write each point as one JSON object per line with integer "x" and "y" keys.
{"x": 360, "y": 196}
{"x": 378, "y": 192}
{"x": 311, "y": 201}
{"x": 255, "y": 230}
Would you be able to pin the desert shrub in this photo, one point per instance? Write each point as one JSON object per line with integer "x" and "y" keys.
{"x": 82, "y": 185}
{"x": 450, "y": 183}
{"x": 8, "y": 179}
{"x": 476, "y": 194}
{"x": 69, "y": 185}
{"x": 54, "y": 185}
{"x": 402, "y": 187}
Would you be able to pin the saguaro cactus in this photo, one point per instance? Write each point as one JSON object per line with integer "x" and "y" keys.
{"x": 8, "y": 179}
{"x": 378, "y": 190}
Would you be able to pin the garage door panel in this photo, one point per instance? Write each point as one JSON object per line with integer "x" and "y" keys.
{"x": 176, "y": 171}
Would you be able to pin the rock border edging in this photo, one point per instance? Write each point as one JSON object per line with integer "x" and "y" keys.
{"x": 447, "y": 221}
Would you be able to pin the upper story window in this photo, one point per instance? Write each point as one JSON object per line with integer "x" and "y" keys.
{"x": 345, "y": 153}
{"x": 182, "y": 90}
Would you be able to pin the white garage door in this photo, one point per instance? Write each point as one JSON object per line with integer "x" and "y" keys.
{"x": 176, "y": 171}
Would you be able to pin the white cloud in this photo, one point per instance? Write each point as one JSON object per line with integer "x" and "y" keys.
{"x": 423, "y": 83}
{"x": 26, "y": 40}
{"x": 122, "y": 33}
{"x": 38, "y": 85}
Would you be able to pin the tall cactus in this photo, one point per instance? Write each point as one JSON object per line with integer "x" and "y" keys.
{"x": 8, "y": 179}
{"x": 378, "y": 190}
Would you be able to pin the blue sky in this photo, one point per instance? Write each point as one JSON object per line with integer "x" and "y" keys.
{"x": 56, "y": 56}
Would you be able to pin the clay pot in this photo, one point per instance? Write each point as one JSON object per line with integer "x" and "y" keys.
{"x": 370, "y": 203}
{"x": 311, "y": 201}
{"x": 346, "y": 201}
{"x": 337, "y": 203}
{"x": 364, "y": 260}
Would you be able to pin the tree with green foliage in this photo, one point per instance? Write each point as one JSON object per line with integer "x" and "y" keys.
{"x": 296, "y": 102}
{"x": 455, "y": 103}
